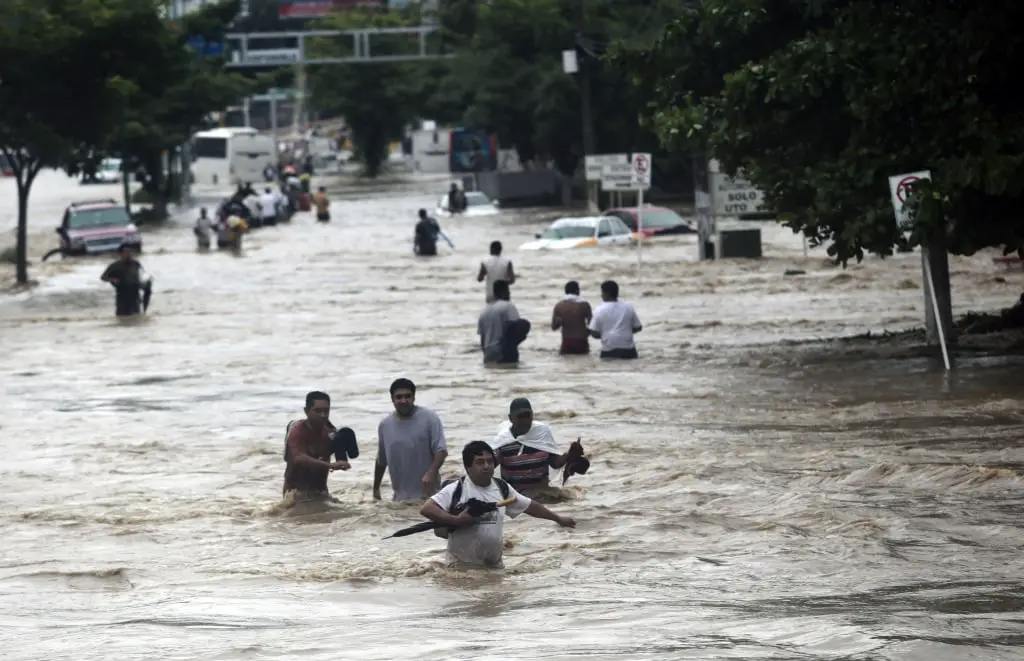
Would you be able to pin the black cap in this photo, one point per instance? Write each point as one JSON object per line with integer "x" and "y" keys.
{"x": 519, "y": 405}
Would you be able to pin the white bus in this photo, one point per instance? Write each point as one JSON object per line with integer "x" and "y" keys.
{"x": 228, "y": 157}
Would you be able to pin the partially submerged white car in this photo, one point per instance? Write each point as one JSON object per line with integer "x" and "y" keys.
{"x": 567, "y": 233}
{"x": 477, "y": 204}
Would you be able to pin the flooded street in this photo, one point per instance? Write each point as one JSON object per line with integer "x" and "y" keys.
{"x": 753, "y": 494}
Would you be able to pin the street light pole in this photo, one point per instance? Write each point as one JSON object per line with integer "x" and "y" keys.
{"x": 587, "y": 122}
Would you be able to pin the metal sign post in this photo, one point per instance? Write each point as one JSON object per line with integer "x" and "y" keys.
{"x": 641, "y": 180}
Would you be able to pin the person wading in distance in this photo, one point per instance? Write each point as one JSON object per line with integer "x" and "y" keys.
{"x": 614, "y": 323}
{"x": 410, "y": 446}
{"x": 501, "y": 329}
{"x": 495, "y": 268}
{"x": 571, "y": 315}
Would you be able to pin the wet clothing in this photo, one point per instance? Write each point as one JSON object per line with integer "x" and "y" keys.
{"x": 496, "y": 267}
{"x": 501, "y": 331}
{"x": 129, "y": 288}
{"x": 425, "y": 238}
{"x": 573, "y": 313}
{"x": 616, "y": 321}
{"x": 481, "y": 544}
{"x": 408, "y": 446}
{"x": 323, "y": 205}
{"x": 203, "y": 230}
{"x": 304, "y": 441}
{"x": 456, "y": 201}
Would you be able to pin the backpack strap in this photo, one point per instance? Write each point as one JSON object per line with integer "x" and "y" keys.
{"x": 456, "y": 495}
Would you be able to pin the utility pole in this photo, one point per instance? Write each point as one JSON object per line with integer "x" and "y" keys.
{"x": 585, "y": 109}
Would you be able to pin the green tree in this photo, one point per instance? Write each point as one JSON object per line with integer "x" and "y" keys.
{"x": 65, "y": 72}
{"x": 172, "y": 98}
{"x": 819, "y": 102}
{"x": 510, "y": 80}
{"x": 377, "y": 99}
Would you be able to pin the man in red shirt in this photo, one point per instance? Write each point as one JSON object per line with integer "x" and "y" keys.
{"x": 308, "y": 451}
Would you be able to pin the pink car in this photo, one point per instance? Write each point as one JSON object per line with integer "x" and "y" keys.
{"x": 91, "y": 227}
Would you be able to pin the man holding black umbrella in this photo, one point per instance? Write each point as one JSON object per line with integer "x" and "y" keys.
{"x": 477, "y": 540}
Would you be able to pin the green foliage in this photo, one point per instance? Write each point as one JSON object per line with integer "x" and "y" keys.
{"x": 177, "y": 91}
{"x": 377, "y": 99}
{"x": 818, "y": 102}
{"x": 66, "y": 75}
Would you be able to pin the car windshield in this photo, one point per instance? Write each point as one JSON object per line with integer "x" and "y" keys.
{"x": 662, "y": 218}
{"x": 569, "y": 232}
{"x": 111, "y": 166}
{"x": 476, "y": 199}
{"x": 105, "y": 217}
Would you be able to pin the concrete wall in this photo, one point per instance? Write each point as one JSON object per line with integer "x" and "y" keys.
{"x": 525, "y": 188}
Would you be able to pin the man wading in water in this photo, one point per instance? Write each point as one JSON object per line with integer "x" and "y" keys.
{"x": 132, "y": 286}
{"x": 477, "y": 541}
{"x": 526, "y": 450}
{"x": 410, "y": 446}
{"x": 501, "y": 329}
{"x": 571, "y": 315}
{"x": 425, "y": 235}
{"x": 614, "y": 323}
{"x": 308, "y": 452}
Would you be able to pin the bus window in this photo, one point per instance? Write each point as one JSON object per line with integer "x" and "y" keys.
{"x": 210, "y": 148}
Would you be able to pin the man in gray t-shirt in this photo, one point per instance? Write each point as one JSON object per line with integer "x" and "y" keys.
{"x": 500, "y": 328}
{"x": 410, "y": 446}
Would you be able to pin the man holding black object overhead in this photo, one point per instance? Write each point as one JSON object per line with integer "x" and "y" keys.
{"x": 309, "y": 445}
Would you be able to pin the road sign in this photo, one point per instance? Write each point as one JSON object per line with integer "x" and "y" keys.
{"x": 900, "y": 190}
{"x": 641, "y": 171}
{"x": 734, "y": 196}
{"x": 595, "y": 164}
{"x": 618, "y": 176}
{"x": 268, "y": 57}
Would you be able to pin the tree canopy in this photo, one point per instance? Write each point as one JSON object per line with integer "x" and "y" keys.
{"x": 505, "y": 77}
{"x": 79, "y": 78}
{"x": 818, "y": 102}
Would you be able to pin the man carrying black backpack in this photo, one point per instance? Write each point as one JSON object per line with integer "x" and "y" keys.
{"x": 477, "y": 540}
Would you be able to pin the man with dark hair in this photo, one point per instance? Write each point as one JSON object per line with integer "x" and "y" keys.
{"x": 571, "y": 315}
{"x": 308, "y": 451}
{"x": 501, "y": 329}
{"x": 410, "y": 445}
{"x": 477, "y": 541}
{"x": 526, "y": 450}
{"x": 495, "y": 268}
{"x": 614, "y": 323}
{"x": 425, "y": 235}
{"x": 132, "y": 285}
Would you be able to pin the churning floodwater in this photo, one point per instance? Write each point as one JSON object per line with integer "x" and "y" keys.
{"x": 753, "y": 495}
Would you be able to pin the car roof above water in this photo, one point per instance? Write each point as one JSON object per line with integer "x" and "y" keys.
{"x": 582, "y": 221}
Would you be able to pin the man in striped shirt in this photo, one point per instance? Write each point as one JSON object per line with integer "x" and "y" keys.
{"x": 526, "y": 449}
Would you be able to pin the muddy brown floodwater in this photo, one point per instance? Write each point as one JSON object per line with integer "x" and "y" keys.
{"x": 752, "y": 495}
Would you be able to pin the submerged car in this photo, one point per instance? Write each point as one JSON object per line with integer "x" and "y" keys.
{"x": 108, "y": 172}
{"x": 477, "y": 204}
{"x": 567, "y": 233}
{"x": 657, "y": 221}
{"x": 92, "y": 227}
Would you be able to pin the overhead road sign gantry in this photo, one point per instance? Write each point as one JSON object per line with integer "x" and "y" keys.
{"x": 245, "y": 53}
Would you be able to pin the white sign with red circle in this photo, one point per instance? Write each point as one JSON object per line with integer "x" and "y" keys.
{"x": 900, "y": 189}
{"x": 641, "y": 170}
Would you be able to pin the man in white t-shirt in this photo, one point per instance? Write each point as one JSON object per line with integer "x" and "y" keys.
{"x": 495, "y": 268}
{"x": 477, "y": 540}
{"x": 268, "y": 206}
{"x": 614, "y": 323}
